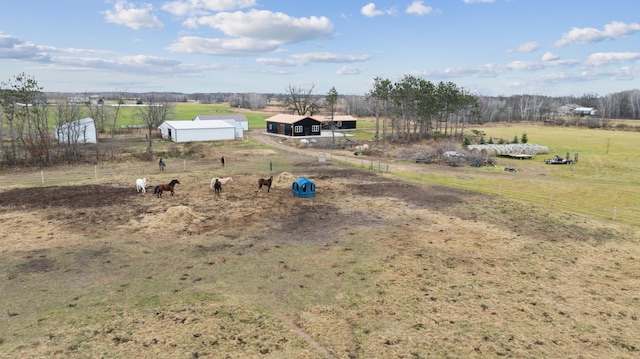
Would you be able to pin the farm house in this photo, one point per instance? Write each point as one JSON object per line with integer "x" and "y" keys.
{"x": 80, "y": 131}
{"x": 195, "y": 131}
{"x": 293, "y": 125}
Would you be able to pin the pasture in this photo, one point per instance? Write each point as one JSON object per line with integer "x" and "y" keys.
{"x": 373, "y": 266}
{"x": 603, "y": 184}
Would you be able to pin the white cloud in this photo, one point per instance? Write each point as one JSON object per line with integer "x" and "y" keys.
{"x": 530, "y": 46}
{"x": 136, "y": 18}
{"x": 479, "y": 1}
{"x": 314, "y": 57}
{"x": 550, "y": 57}
{"x": 252, "y": 32}
{"x": 329, "y": 57}
{"x": 222, "y": 47}
{"x": 195, "y": 7}
{"x": 134, "y": 64}
{"x": 12, "y": 47}
{"x": 605, "y": 58}
{"x": 267, "y": 25}
{"x": 589, "y": 35}
{"x": 277, "y": 62}
{"x": 370, "y": 10}
{"x": 524, "y": 66}
{"x": 418, "y": 8}
{"x": 350, "y": 70}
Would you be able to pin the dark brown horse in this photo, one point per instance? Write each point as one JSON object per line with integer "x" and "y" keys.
{"x": 217, "y": 186}
{"x": 165, "y": 187}
{"x": 265, "y": 182}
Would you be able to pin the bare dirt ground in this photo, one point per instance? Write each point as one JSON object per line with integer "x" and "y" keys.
{"x": 371, "y": 267}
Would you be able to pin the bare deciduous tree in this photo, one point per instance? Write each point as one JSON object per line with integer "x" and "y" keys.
{"x": 300, "y": 101}
{"x": 152, "y": 113}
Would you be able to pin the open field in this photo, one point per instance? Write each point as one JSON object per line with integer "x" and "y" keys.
{"x": 372, "y": 267}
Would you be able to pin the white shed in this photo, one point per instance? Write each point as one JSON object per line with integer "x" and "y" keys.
{"x": 239, "y": 118}
{"x": 194, "y": 131}
{"x": 79, "y": 131}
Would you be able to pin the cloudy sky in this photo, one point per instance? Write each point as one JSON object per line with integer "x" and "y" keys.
{"x": 489, "y": 47}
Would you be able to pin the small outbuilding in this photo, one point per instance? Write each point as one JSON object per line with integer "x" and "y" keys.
{"x": 340, "y": 122}
{"x": 79, "y": 131}
{"x": 294, "y": 125}
{"x": 195, "y": 131}
{"x": 303, "y": 187}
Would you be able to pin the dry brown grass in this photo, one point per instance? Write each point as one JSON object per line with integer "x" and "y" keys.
{"x": 372, "y": 267}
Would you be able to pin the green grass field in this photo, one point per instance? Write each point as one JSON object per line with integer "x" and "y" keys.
{"x": 603, "y": 183}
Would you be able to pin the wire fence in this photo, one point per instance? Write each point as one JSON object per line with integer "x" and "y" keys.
{"x": 67, "y": 175}
{"x": 513, "y": 190}
{"x": 556, "y": 200}
{"x": 506, "y": 189}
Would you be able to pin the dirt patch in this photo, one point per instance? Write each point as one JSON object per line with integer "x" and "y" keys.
{"x": 343, "y": 199}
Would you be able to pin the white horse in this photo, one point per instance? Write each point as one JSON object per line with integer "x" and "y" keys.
{"x": 141, "y": 185}
{"x": 223, "y": 181}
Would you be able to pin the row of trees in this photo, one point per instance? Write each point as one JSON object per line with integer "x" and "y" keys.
{"x": 525, "y": 107}
{"x": 416, "y": 109}
{"x": 411, "y": 109}
{"x": 621, "y": 105}
{"x": 28, "y": 117}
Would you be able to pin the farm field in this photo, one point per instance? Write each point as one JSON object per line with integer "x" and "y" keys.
{"x": 603, "y": 184}
{"x": 373, "y": 266}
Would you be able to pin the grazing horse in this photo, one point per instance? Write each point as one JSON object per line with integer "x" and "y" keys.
{"x": 222, "y": 181}
{"x": 141, "y": 185}
{"x": 165, "y": 187}
{"x": 222, "y": 160}
{"x": 265, "y": 182}
{"x": 217, "y": 186}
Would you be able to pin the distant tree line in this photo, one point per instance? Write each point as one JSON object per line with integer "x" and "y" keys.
{"x": 410, "y": 109}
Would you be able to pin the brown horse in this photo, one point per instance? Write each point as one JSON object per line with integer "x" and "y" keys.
{"x": 165, "y": 187}
{"x": 217, "y": 186}
{"x": 265, "y": 182}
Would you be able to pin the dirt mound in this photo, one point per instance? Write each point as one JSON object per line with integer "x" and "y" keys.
{"x": 180, "y": 214}
{"x": 283, "y": 180}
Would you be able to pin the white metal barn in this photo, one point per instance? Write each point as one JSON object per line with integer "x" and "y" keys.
{"x": 194, "y": 131}
{"x": 240, "y": 119}
{"x": 79, "y": 131}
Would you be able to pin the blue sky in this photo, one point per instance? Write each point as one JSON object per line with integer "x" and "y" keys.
{"x": 489, "y": 47}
